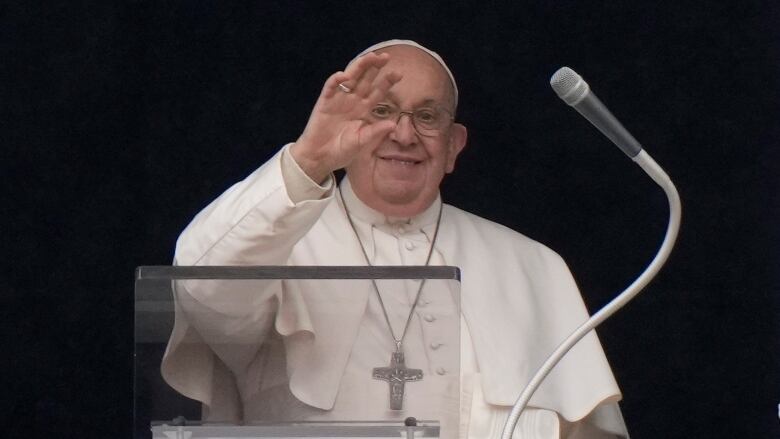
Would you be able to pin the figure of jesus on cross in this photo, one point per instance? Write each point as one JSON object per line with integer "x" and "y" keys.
{"x": 397, "y": 375}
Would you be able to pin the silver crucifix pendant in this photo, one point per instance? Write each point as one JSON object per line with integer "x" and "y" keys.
{"x": 397, "y": 375}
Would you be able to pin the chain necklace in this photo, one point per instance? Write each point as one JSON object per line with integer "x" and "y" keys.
{"x": 397, "y": 374}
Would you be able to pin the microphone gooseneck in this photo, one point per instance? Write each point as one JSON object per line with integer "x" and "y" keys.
{"x": 575, "y": 91}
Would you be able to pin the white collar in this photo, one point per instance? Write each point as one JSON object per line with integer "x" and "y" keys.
{"x": 367, "y": 219}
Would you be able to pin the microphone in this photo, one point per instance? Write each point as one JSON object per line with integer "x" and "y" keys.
{"x": 570, "y": 87}
{"x": 575, "y": 91}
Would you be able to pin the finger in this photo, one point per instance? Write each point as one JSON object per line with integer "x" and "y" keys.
{"x": 350, "y": 77}
{"x": 371, "y": 134}
{"x": 364, "y": 86}
{"x": 358, "y": 68}
{"x": 331, "y": 86}
{"x": 382, "y": 85}
{"x": 372, "y": 68}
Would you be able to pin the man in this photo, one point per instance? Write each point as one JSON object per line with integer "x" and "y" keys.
{"x": 388, "y": 119}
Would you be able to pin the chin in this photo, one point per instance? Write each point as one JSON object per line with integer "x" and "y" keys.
{"x": 404, "y": 203}
{"x": 398, "y": 192}
{"x": 394, "y": 196}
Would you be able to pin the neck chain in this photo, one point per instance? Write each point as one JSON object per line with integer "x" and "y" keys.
{"x": 397, "y": 374}
{"x": 398, "y": 341}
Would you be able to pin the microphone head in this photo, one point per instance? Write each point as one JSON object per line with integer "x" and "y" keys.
{"x": 569, "y": 86}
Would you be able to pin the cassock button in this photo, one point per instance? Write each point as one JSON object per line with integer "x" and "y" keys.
{"x": 435, "y": 345}
{"x": 429, "y": 318}
{"x": 409, "y": 245}
{"x": 441, "y": 371}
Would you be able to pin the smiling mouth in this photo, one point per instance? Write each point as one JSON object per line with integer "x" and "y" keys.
{"x": 401, "y": 161}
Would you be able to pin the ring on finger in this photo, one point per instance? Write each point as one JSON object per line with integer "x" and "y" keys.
{"x": 344, "y": 88}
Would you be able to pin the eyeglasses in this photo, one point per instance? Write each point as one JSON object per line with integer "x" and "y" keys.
{"x": 427, "y": 121}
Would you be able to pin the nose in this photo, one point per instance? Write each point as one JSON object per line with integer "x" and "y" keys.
{"x": 404, "y": 132}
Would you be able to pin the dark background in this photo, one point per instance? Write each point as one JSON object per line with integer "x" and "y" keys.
{"x": 120, "y": 120}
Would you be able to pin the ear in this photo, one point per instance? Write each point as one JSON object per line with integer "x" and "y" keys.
{"x": 458, "y": 136}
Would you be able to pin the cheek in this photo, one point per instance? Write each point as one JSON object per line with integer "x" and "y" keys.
{"x": 443, "y": 159}
{"x": 363, "y": 161}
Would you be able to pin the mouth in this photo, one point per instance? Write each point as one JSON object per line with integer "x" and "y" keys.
{"x": 399, "y": 160}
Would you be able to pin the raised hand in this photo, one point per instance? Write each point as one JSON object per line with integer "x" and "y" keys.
{"x": 338, "y": 126}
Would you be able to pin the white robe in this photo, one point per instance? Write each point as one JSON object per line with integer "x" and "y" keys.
{"x": 518, "y": 300}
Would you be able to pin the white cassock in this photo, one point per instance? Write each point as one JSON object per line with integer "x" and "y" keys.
{"x": 518, "y": 302}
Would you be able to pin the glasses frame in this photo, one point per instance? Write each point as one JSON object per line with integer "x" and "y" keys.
{"x": 401, "y": 113}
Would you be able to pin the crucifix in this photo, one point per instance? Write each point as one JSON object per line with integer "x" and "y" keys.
{"x": 397, "y": 375}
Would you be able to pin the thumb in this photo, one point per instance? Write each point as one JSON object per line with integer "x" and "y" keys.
{"x": 372, "y": 134}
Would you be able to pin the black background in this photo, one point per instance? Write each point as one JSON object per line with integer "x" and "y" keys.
{"x": 120, "y": 120}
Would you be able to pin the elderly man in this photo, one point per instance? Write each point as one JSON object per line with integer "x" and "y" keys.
{"x": 388, "y": 119}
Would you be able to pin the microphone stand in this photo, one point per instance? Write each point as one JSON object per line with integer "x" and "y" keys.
{"x": 659, "y": 176}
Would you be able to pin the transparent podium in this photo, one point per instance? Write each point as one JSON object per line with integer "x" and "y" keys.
{"x": 297, "y": 352}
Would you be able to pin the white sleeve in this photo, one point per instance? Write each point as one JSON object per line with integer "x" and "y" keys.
{"x": 300, "y": 187}
{"x": 255, "y": 222}
{"x": 220, "y": 326}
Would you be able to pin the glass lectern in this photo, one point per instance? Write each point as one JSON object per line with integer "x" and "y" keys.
{"x": 297, "y": 352}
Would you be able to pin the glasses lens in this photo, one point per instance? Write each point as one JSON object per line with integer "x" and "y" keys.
{"x": 427, "y": 121}
{"x": 383, "y": 111}
{"x": 427, "y": 118}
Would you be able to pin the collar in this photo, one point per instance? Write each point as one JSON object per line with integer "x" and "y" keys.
{"x": 367, "y": 220}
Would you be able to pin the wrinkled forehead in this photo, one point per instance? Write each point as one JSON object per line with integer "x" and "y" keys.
{"x": 431, "y": 53}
